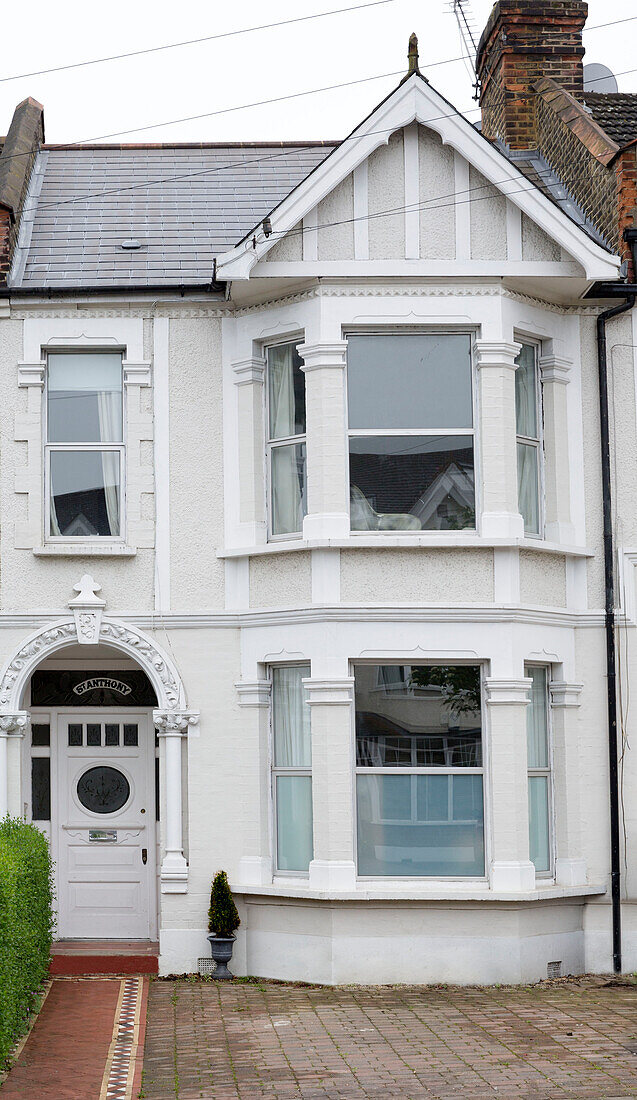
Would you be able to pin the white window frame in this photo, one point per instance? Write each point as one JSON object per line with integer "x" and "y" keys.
{"x": 415, "y": 771}
{"x": 394, "y": 330}
{"x": 272, "y": 444}
{"x": 48, "y": 448}
{"x": 547, "y": 771}
{"x": 276, "y": 771}
{"x": 538, "y": 442}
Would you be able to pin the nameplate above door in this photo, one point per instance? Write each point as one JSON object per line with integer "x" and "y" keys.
{"x": 62, "y": 688}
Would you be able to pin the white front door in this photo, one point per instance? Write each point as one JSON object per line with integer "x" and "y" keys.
{"x": 106, "y": 855}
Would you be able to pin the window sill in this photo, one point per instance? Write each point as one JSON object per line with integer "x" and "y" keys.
{"x": 434, "y": 891}
{"x": 88, "y": 550}
{"x": 433, "y": 541}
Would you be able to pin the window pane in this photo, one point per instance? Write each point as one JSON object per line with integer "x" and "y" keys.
{"x": 93, "y": 734}
{"x": 85, "y": 493}
{"x": 291, "y": 718}
{"x": 40, "y": 734}
{"x": 289, "y": 488}
{"x": 131, "y": 735}
{"x": 111, "y": 734}
{"x": 539, "y": 822}
{"x": 435, "y": 722}
{"x": 75, "y": 734}
{"x": 526, "y": 393}
{"x": 286, "y": 392}
{"x": 420, "y": 825}
{"x": 411, "y": 483}
{"x": 528, "y": 489}
{"x": 41, "y": 788}
{"x": 536, "y": 720}
{"x": 85, "y": 398}
{"x": 409, "y": 380}
{"x": 294, "y": 822}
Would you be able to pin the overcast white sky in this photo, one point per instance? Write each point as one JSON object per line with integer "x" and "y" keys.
{"x": 105, "y": 99}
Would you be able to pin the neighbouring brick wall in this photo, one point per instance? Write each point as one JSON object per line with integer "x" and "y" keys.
{"x": 7, "y": 242}
{"x": 26, "y": 134}
{"x": 626, "y": 168}
{"x": 591, "y": 184}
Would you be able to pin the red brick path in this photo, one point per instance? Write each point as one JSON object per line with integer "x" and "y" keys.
{"x": 240, "y": 1041}
{"x": 65, "y": 1054}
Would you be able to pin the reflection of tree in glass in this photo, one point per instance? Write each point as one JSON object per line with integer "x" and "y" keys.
{"x": 460, "y": 685}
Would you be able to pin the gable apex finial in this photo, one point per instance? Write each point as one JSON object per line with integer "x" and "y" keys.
{"x": 412, "y": 58}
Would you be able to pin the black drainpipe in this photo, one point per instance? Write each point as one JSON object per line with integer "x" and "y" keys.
{"x": 629, "y": 293}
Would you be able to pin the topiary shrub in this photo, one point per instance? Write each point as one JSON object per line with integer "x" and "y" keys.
{"x": 26, "y": 924}
{"x": 222, "y": 915}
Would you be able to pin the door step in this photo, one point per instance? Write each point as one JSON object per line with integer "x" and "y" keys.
{"x": 77, "y": 958}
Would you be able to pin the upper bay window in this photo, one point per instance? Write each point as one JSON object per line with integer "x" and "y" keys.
{"x": 411, "y": 450}
{"x": 286, "y": 440}
{"x": 528, "y": 422}
{"x": 84, "y": 444}
{"x": 419, "y": 770}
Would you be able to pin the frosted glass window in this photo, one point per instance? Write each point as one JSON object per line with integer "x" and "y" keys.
{"x": 539, "y": 766}
{"x": 292, "y": 771}
{"x": 411, "y": 445}
{"x": 421, "y": 825}
{"x": 419, "y": 782}
{"x": 294, "y": 822}
{"x": 409, "y": 380}
{"x": 286, "y": 440}
{"x": 529, "y": 438}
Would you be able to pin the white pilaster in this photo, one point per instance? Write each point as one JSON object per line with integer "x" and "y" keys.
{"x": 249, "y": 375}
{"x": 496, "y": 373}
{"x": 255, "y": 865}
{"x": 12, "y": 725}
{"x": 331, "y": 705}
{"x": 171, "y": 726}
{"x": 557, "y": 489}
{"x": 570, "y": 865}
{"x": 511, "y": 869}
{"x": 327, "y": 478}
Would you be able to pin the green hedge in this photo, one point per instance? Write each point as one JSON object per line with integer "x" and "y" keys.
{"x": 26, "y": 924}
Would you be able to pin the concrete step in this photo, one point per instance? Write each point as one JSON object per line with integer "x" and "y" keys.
{"x": 74, "y": 958}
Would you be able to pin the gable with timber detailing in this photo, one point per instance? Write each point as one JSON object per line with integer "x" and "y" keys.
{"x": 416, "y": 188}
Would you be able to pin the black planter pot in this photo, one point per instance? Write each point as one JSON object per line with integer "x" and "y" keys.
{"x": 221, "y": 951}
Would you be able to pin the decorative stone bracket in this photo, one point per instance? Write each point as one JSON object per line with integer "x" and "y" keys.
{"x": 87, "y": 608}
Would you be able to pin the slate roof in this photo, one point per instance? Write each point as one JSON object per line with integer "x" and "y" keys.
{"x": 615, "y": 112}
{"x": 184, "y": 203}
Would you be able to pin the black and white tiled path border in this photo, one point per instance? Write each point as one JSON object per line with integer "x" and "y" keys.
{"x": 117, "y": 1082}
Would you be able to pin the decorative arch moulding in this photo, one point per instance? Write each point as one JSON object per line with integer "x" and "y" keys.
{"x": 88, "y": 623}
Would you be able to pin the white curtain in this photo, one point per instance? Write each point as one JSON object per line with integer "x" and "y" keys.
{"x": 109, "y": 411}
{"x": 288, "y": 475}
{"x": 536, "y": 728}
{"x": 281, "y": 385}
{"x": 292, "y": 739}
{"x": 528, "y": 497}
{"x": 55, "y": 527}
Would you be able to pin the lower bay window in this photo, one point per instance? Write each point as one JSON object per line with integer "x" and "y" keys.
{"x": 292, "y": 769}
{"x": 528, "y": 417}
{"x": 419, "y": 770}
{"x": 539, "y": 765}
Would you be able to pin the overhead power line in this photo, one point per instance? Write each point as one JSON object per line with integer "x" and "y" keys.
{"x": 195, "y": 41}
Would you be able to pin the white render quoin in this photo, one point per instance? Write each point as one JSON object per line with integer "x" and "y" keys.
{"x": 325, "y": 607}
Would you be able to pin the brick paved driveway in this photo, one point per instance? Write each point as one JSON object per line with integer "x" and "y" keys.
{"x": 215, "y": 1041}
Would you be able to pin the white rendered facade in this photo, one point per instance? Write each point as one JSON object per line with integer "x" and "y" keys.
{"x": 198, "y": 594}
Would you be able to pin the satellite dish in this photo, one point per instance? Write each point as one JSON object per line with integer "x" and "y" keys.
{"x": 599, "y": 78}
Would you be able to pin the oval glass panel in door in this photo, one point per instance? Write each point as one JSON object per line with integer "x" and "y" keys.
{"x": 103, "y": 790}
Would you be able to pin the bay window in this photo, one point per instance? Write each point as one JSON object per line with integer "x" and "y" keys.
{"x": 286, "y": 440}
{"x": 419, "y": 770}
{"x": 292, "y": 769}
{"x": 528, "y": 416}
{"x": 84, "y": 444}
{"x": 539, "y": 765}
{"x": 411, "y": 448}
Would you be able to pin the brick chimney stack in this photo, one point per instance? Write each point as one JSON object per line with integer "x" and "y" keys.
{"x": 21, "y": 145}
{"x": 523, "y": 41}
